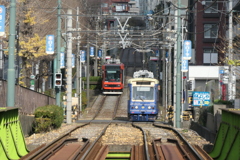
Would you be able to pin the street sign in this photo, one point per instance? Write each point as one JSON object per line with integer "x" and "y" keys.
{"x": 82, "y": 56}
{"x": 73, "y": 60}
{"x": 91, "y": 51}
{"x": 2, "y": 20}
{"x": 100, "y": 53}
{"x": 62, "y": 60}
{"x": 201, "y": 98}
{"x": 50, "y": 44}
{"x": 187, "y": 50}
{"x": 184, "y": 65}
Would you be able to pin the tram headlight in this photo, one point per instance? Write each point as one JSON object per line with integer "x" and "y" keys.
{"x": 149, "y": 107}
{"x": 136, "y": 107}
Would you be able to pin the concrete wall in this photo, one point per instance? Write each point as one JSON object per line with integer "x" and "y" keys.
{"x": 26, "y": 123}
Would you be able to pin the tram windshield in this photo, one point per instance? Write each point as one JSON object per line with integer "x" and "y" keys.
{"x": 112, "y": 74}
{"x": 143, "y": 93}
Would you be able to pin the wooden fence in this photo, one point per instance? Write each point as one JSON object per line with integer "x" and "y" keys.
{"x": 25, "y": 99}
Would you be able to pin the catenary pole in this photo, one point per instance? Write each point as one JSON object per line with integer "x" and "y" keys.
{"x": 69, "y": 66}
{"x": 177, "y": 105}
{"x": 58, "y": 89}
{"x": 11, "y": 57}
{"x": 231, "y": 84}
{"x": 78, "y": 67}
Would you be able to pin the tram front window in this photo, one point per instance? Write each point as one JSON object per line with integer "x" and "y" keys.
{"x": 143, "y": 93}
{"x": 112, "y": 74}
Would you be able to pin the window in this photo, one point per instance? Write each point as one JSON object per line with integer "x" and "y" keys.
{"x": 213, "y": 6}
{"x": 143, "y": 93}
{"x": 210, "y": 56}
{"x": 210, "y": 30}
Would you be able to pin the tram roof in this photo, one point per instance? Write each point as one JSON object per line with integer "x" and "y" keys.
{"x": 143, "y": 80}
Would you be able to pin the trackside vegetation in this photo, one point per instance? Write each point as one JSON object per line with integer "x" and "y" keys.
{"x": 47, "y": 118}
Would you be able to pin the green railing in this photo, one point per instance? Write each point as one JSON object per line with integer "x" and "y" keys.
{"x": 12, "y": 142}
{"x": 227, "y": 144}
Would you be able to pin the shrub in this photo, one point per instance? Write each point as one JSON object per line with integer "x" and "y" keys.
{"x": 47, "y": 118}
{"x": 219, "y": 101}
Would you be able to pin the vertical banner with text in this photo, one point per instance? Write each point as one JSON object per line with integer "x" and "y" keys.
{"x": 50, "y": 44}
{"x": 2, "y": 20}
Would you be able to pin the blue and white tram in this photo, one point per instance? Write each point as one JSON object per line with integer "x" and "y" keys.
{"x": 143, "y": 97}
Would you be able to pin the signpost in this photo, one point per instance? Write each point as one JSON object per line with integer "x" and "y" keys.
{"x": 201, "y": 98}
{"x": 50, "y": 44}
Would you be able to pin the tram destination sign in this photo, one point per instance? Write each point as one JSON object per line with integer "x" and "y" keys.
{"x": 201, "y": 98}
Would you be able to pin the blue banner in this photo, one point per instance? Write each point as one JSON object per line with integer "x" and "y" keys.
{"x": 187, "y": 50}
{"x": 91, "y": 51}
{"x": 184, "y": 65}
{"x": 73, "y": 60}
{"x": 100, "y": 53}
{"x": 50, "y": 44}
{"x": 82, "y": 56}
{"x": 62, "y": 60}
{"x": 2, "y": 19}
{"x": 157, "y": 53}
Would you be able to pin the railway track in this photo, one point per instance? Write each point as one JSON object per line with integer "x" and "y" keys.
{"x": 167, "y": 143}
{"x": 117, "y": 140}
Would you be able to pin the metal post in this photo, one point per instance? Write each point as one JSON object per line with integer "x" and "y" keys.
{"x": 69, "y": 66}
{"x": 177, "y": 76}
{"x": 96, "y": 50}
{"x": 78, "y": 68}
{"x": 80, "y": 88}
{"x": 231, "y": 84}
{"x": 11, "y": 57}
{"x": 182, "y": 77}
{"x": 88, "y": 59}
{"x": 58, "y": 89}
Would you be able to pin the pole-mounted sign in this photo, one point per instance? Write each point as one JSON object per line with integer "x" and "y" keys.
{"x": 62, "y": 60}
{"x": 184, "y": 65}
{"x": 100, "y": 53}
{"x": 82, "y": 56}
{"x": 187, "y": 50}
{"x": 2, "y": 20}
{"x": 91, "y": 51}
{"x": 50, "y": 44}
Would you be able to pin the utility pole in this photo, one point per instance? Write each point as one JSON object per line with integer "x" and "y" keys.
{"x": 69, "y": 66}
{"x": 88, "y": 59}
{"x": 177, "y": 73}
{"x": 58, "y": 89}
{"x": 96, "y": 52}
{"x": 11, "y": 57}
{"x": 79, "y": 68}
{"x": 232, "y": 79}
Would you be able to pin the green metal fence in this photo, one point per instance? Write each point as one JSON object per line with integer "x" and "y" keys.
{"x": 12, "y": 142}
{"x": 227, "y": 144}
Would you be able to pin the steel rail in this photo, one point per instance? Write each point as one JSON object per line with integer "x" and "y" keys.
{"x": 194, "y": 152}
{"x": 93, "y": 144}
{"x": 145, "y": 141}
{"x": 44, "y": 148}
